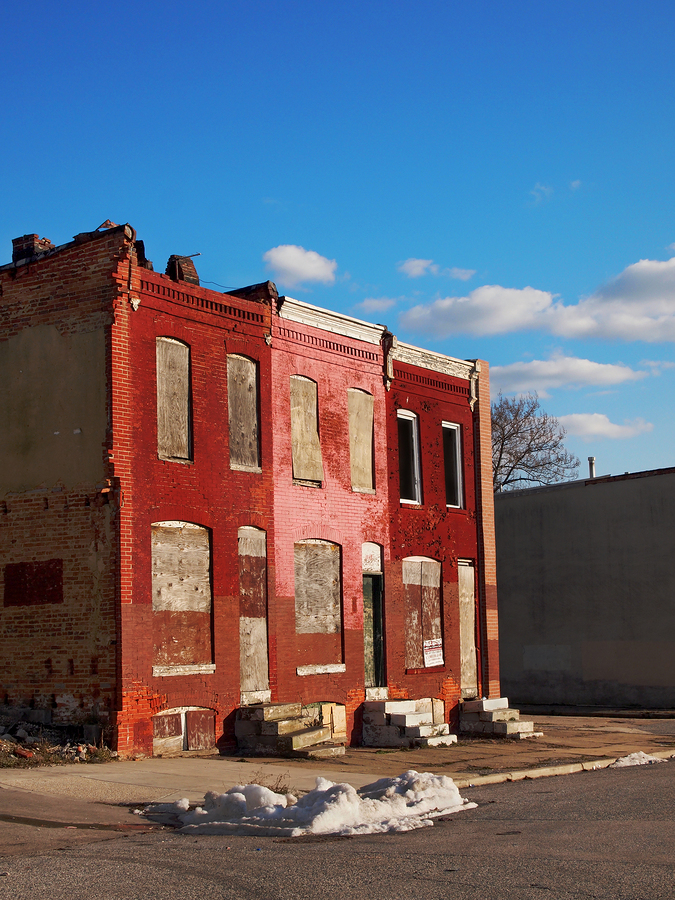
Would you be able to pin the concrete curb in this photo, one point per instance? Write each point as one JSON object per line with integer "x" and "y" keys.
{"x": 549, "y": 771}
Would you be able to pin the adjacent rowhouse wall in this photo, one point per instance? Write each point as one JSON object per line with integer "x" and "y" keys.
{"x": 587, "y": 581}
{"x": 57, "y": 508}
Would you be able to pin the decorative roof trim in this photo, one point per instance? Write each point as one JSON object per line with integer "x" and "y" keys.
{"x": 437, "y": 362}
{"x": 327, "y": 320}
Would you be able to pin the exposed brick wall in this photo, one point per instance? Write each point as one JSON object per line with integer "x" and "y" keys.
{"x": 61, "y": 656}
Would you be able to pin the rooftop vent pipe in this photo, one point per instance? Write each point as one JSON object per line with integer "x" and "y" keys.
{"x": 591, "y": 467}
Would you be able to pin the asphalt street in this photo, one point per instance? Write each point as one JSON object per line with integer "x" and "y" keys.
{"x": 599, "y": 834}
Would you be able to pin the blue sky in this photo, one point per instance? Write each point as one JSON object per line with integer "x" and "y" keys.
{"x": 489, "y": 179}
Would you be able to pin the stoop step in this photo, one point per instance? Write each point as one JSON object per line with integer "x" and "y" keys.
{"x": 286, "y": 726}
{"x": 306, "y": 738}
{"x": 269, "y": 712}
{"x": 441, "y": 740}
{"x": 321, "y": 751}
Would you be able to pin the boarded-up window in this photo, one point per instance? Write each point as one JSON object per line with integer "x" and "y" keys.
{"x": 409, "y": 457}
{"x": 254, "y": 675}
{"x": 173, "y": 399}
{"x": 181, "y": 594}
{"x": 361, "y": 439}
{"x": 423, "y": 632}
{"x": 242, "y": 401}
{"x": 453, "y": 468}
{"x": 34, "y": 583}
{"x": 306, "y": 449}
{"x": 317, "y": 588}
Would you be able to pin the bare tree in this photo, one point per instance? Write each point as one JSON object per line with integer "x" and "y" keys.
{"x": 527, "y": 445}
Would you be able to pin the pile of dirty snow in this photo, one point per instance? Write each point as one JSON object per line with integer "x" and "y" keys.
{"x": 411, "y": 800}
{"x": 635, "y": 759}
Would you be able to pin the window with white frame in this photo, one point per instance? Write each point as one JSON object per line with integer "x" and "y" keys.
{"x": 453, "y": 464}
{"x": 410, "y": 478}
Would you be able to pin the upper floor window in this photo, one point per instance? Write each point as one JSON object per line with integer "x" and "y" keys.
{"x": 361, "y": 439}
{"x": 409, "y": 457}
{"x": 453, "y": 464}
{"x": 174, "y": 425}
{"x": 242, "y": 402}
{"x": 306, "y": 449}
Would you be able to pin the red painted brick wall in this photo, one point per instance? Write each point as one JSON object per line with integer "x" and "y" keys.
{"x": 204, "y": 491}
{"x": 333, "y": 512}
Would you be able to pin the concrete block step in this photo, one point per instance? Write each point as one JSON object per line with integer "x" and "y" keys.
{"x": 257, "y": 743}
{"x": 405, "y": 720}
{"x": 523, "y": 736}
{"x": 425, "y": 731}
{"x": 286, "y": 726}
{"x": 441, "y": 740}
{"x": 512, "y": 727}
{"x": 305, "y": 738}
{"x": 384, "y": 736}
{"x": 374, "y": 717}
{"x": 476, "y": 727}
{"x": 485, "y": 705}
{"x": 268, "y": 712}
{"x": 499, "y": 715}
{"x": 321, "y": 751}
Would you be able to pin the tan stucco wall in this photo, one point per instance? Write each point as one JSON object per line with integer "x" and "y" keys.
{"x": 52, "y": 408}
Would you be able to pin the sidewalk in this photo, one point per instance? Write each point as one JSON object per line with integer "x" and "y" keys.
{"x": 98, "y": 793}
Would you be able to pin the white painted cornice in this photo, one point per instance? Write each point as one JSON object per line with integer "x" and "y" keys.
{"x": 437, "y": 362}
{"x": 327, "y": 320}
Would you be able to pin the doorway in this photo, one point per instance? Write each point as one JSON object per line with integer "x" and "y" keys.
{"x": 373, "y": 631}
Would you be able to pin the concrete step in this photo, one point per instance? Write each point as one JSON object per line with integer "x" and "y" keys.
{"x": 321, "y": 751}
{"x": 268, "y": 712}
{"x": 299, "y": 739}
{"x": 500, "y": 715}
{"x": 441, "y": 740}
{"x": 384, "y": 736}
{"x": 409, "y": 720}
{"x": 425, "y": 731}
{"x": 286, "y": 726}
{"x": 512, "y": 727}
{"x": 484, "y": 705}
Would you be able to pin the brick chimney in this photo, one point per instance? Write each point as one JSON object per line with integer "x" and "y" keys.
{"x": 28, "y": 246}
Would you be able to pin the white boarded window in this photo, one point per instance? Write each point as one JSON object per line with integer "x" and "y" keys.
{"x": 453, "y": 464}
{"x": 361, "y": 439}
{"x": 318, "y": 588}
{"x": 409, "y": 457}
{"x": 423, "y": 627}
{"x": 242, "y": 402}
{"x": 181, "y": 598}
{"x": 173, "y": 399}
{"x": 306, "y": 449}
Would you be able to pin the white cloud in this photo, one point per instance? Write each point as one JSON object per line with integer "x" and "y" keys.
{"x": 293, "y": 265}
{"x": 589, "y": 426}
{"x": 575, "y": 185}
{"x": 413, "y": 268}
{"x": 639, "y": 304}
{"x": 558, "y": 371}
{"x": 671, "y": 247}
{"x": 490, "y": 309}
{"x": 376, "y": 304}
{"x": 541, "y": 192}
{"x": 461, "y": 274}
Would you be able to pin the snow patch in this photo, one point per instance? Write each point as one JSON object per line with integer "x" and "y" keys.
{"x": 635, "y": 759}
{"x": 411, "y": 800}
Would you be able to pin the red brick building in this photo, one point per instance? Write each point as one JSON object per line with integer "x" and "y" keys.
{"x": 214, "y": 500}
